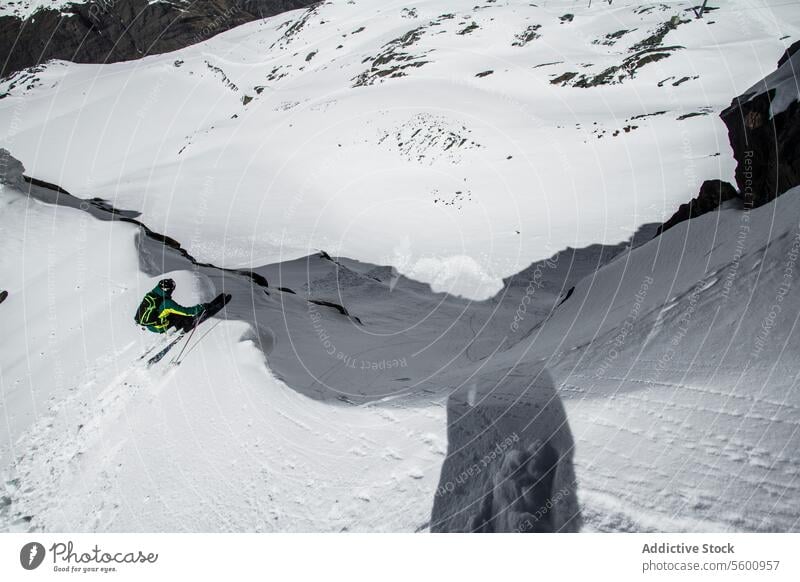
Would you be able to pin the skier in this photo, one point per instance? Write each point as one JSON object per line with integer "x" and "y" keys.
{"x": 158, "y": 312}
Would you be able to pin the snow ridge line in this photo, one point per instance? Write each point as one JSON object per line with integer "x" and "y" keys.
{"x": 102, "y": 210}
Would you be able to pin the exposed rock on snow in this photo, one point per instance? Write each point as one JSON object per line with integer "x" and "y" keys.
{"x": 393, "y": 59}
{"x": 294, "y": 157}
{"x": 764, "y": 132}
{"x": 712, "y": 194}
{"x": 649, "y": 50}
{"x": 104, "y": 31}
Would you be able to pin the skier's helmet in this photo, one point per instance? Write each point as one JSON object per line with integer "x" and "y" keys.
{"x": 167, "y": 285}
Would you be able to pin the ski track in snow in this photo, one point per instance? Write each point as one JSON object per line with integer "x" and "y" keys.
{"x": 89, "y": 439}
{"x": 682, "y": 447}
{"x": 262, "y": 429}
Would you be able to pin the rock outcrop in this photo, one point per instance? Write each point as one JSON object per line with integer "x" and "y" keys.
{"x": 712, "y": 194}
{"x": 107, "y": 31}
{"x": 764, "y": 131}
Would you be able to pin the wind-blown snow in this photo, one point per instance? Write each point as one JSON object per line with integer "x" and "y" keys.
{"x": 349, "y": 125}
{"x": 93, "y": 441}
{"x": 784, "y": 81}
{"x": 677, "y": 364}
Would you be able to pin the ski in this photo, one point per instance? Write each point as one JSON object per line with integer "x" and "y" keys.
{"x": 214, "y": 307}
{"x": 176, "y": 360}
{"x": 160, "y": 343}
{"x": 180, "y": 359}
{"x": 160, "y": 355}
{"x": 3, "y": 295}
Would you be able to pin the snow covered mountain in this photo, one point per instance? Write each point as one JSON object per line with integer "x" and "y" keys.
{"x": 106, "y": 31}
{"x": 497, "y": 134}
{"x": 507, "y": 345}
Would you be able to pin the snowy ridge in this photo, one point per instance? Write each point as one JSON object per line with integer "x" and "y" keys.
{"x": 648, "y": 386}
{"x": 784, "y": 81}
{"x": 689, "y": 376}
{"x": 665, "y": 438}
{"x": 86, "y": 432}
{"x": 285, "y": 121}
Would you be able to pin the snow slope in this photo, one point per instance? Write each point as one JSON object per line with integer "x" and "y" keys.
{"x": 94, "y": 441}
{"x": 342, "y": 395}
{"x": 497, "y": 134}
{"x": 674, "y": 362}
{"x": 677, "y": 363}
{"x": 783, "y": 81}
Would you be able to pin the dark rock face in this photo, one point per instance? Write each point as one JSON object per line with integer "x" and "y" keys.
{"x": 766, "y": 148}
{"x": 712, "y": 194}
{"x": 107, "y": 31}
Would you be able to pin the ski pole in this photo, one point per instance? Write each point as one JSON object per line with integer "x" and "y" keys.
{"x": 189, "y": 351}
{"x": 176, "y": 360}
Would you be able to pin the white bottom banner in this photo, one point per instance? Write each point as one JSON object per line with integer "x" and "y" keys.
{"x": 371, "y": 557}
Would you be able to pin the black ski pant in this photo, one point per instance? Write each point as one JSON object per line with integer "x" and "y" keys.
{"x": 181, "y": 322}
